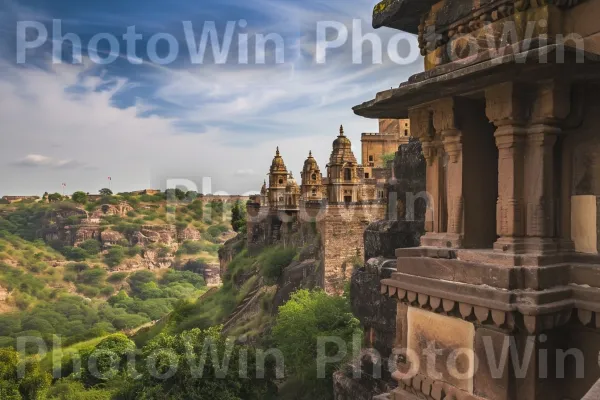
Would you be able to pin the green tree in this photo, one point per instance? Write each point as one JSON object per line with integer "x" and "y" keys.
{"x": 34, "y": 384}
{"x": 74, "y": 253}
{"x": 91, "y": 246}
{"x": 54, "y": 197}
{"x": 300, "y": 323}
{"x": 210, "y": 382}
{"x": 80, "y": 197}
{"x": 238, "y": 217}
{"x": 114, "y": 256}
{"x": 175, "y": 194}
{"x": 109, "y": 357}
{"x": 105, "y": 192}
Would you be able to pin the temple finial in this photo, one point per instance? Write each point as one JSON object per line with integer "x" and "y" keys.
{"x": 310, "y": 153}
{"x": 277, "y": 152}
{"x": 341, "y": 130}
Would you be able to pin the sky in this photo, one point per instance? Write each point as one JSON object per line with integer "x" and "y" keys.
{"x": 86, "y": 108}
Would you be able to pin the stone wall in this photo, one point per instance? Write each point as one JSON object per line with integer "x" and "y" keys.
{"x": 341, "y": 231}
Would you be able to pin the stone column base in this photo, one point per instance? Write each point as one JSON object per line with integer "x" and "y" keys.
{"x": 529, "y": 245}
{"x": 442, "y": 240}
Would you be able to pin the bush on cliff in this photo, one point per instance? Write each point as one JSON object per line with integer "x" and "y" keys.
{"x": 301, "y": 322}
{"x": 115, "y": 256}
{"x": 273, "y": 260}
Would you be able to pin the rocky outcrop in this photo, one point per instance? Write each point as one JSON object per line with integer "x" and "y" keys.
{"x": 382, "y": 238}
{"x": 85, "y": 232}
{"x": 212, "y": 275}
{"x": 3, "y": 294}
{"x": 366, "y": 386}
{"x": 229, "y": 250}
{"x": 210, "y": 272}
{"x": 188, "y": 234}
{"x": 298, "y": 275}
{"x": 111, "y": 238}
{"x": 120, "y": 209}
{"x": 376, "y": 313}
{"x": 148, "y": 234}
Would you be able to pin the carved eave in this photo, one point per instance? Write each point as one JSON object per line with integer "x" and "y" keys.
{"x": 468, "y": 76}
{"x": 404, "y": 15}
{"x": 532, "y": 311}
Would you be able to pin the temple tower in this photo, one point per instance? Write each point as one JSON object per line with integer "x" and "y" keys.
{"x": 264, "y": 198}
{"x": 278, "y": 177}
{"x": 342, "y": 172}
{"x": 292, "y": 193}
{"x": 312, "y": 180}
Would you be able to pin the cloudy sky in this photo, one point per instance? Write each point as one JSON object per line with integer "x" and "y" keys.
{"x": 158, "y": 108}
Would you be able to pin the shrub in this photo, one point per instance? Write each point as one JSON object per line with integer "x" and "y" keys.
{"x": 133, "y": 251}
{"x": 79, "y": 197}
{"x": 115, "y": 256}
{"x": 300, "y": 323}
{"x": 34, "y": 384}
{"x": 274, "y": 260}
{"x": 190, "y": 247}
{"x": 66, "y": 389}
{"x": 213, "y": 385}
{"x": 110, "y": 356}
{"x": 74, "y": 253}
{"x": 91, "y": 246}
{"x": 92, "y": 276}
{"x": 117, "y": 277}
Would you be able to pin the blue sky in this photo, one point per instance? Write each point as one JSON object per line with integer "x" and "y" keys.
{"x": 144, "y": 123}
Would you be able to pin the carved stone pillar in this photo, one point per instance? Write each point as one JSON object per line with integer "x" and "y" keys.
{"x": 551, "y": 105}
{"x": 433, "y": 152}
{"x": 444, "y": 121}
{"x": 506, "y": 108}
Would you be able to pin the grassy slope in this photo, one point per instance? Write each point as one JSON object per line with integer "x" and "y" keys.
{"x": 34, "y": 273}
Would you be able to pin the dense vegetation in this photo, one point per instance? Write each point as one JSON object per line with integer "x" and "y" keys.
{"x": 122, "y": 331}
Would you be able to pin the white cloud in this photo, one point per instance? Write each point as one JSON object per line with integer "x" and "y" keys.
{"x": 235, "y": 116}
{"x": 245, "y": 172}
{"x": 40, "y": 161}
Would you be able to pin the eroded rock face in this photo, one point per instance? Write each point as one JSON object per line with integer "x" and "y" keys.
{"x": 3, "y": 294}
{"x": 382, "y": 238}
{"x": 165, "y": 234}
{"x": 84, "y": 233}
{"x": 229, "y": 250}
{"x": 369, "y": 386}
{"x": 111, "y": 238}
{"x": 298, "y": 275}
{"x": 212, "y": 275}
{"x": 189, "y": 234}
{"x": 377, "y": 313}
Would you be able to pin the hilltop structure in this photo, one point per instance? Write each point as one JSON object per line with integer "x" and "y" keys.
{"x": 509, "y": 265}
{"x": 336, "y": 208}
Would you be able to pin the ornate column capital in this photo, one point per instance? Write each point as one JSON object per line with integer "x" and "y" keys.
{"x": 445, "y": 122}
{"x": 552, "y": 103}
{"x": 444, "y": 116}
{"x": 420, "y": 123}
{"x": 506, "y": 104}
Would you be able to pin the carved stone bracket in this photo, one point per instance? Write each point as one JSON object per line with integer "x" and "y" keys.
{"x": 421, "y": 385}
{"x": 468, "y": 312}
{"x": 502, "y": 319}
{"x": 589, "y": 318}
